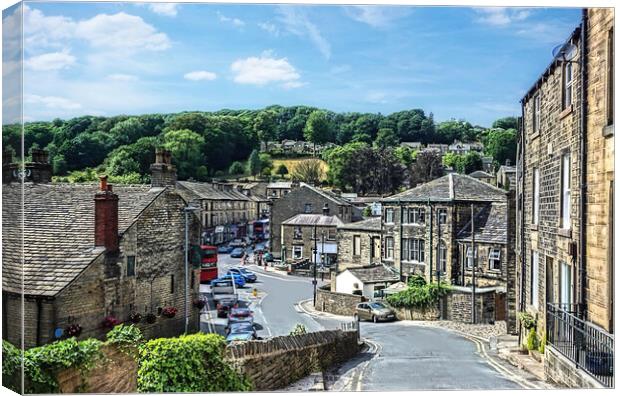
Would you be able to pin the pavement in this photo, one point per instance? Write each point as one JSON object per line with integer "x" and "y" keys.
{"x": 398, "y": 356}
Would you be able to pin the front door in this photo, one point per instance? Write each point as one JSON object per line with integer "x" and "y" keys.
{"x": 549, "y": 295}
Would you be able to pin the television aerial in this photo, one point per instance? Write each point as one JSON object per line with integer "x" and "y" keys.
{"x": 565, "y": 52}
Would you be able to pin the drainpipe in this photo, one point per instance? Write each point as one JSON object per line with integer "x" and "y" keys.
{"x": 521, "y": 208}
{"x": 582, "y": 148}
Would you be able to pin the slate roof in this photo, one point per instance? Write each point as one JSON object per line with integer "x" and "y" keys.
{"x": 490, "y": 225}
{"x": 375, "y": 273}
{"x": 208, "y": 191}
{"x": 58, "y": 232}
{"x": 370, "y": 224}
{"x": 313, "y": 219}
{"x": 450, "y": 188}
{"x": 480, "y": 174}
{"x": 329, "y": 195}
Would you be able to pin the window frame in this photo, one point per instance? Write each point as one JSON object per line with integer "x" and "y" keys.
{"x": 295, "y": 249}
{"x": 131, "y": 259}
{"x": 307, "y": 208}
{"x": 495, "y": 258}
{"x": 469, "y": 260}
{"x": 536, "y": 114}
{"x": 442, "y": 260}
{"x": 534, "y": 278}
{"x": 298, "y": 232}
{"x": 389, "y": 219}
{"x": 565, "y": 192}
{"x": 568, "y": 80}
{"x": 566, "y": 290}
{"x": 442, "y": 213}
{"x": 389, "y": 248}
{"x": 357, "y": 245}
{"x": 535, "y": 196}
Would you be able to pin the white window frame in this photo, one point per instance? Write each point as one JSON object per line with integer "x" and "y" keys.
{"x": 443, "y": 257}
{"x": 536, "y": 114}
{"x": 565, "y": 197}
{"x": 389, "y": 248}
{"x": 413, "y": 250}
{"x": 535, "y": 278}
{"x": 495, "y": 262}
{"x": 469, "y": 260}
{"x": 357, "y": 245}
{"x": 389, "y": 215}
{"x": 536, "y": 196}
{"x": 566, "y": 283}
{"x": 298, "y": 232}
{"x": 297, "y": 252}
{"x": 568, "y": 77}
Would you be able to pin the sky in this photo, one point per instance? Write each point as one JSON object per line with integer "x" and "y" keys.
{"x": 135, "y": 58}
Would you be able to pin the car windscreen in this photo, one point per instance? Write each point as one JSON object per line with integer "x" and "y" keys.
{"x": 377, "y": 305}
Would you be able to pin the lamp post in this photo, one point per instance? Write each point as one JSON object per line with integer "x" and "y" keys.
{"x": 187, "y": 210}
{"x": 314, "y": 252}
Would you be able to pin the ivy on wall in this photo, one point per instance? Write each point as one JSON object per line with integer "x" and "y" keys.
{"x": 418, "y": 294}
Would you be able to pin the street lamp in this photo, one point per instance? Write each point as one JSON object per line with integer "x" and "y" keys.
{"x": 187, "y": 210}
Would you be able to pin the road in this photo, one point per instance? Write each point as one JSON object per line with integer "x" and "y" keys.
{"x": 402, "y": 356}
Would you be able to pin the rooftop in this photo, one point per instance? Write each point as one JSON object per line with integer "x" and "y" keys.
{"x": 370, "y": 224}
{"x": 280, "y": 184}
{"x": 208, "y": 191}
{"x": 490, "y": 225}
{"x": 313, "y": 219}
{"x": 450, "y": 188}
{"x": 375, "y": 273}
{"x": 480, "y": 174}
{"x": 58, "y": 232}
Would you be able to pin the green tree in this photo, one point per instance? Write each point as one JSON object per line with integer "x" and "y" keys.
{"x": 265, "y": 126}
{"x": 266, "y": 163}
{"x": 254, "y": 163}
{"x": 187, "y": 150}
{"x": 506, "y": 123}
{"x": 449, "y": 131}
{"x": 282, "y": 170}
{"x": 404, "y": 155}
{"x": 317, "y": 128}
{"x": 386, "y": 137}
{"x": 469, "y": 163}
{"x": 236, "y": 168}
{"x": 501, "y": 144}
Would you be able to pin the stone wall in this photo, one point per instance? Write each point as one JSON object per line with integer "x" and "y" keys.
{"x": 118, "y": 373}
{"x": 600, "y": 171}
{"x": 272, "y": 364}
{"x": 431, "y": 313}
{"x": 458, "y": 306}
{"x": 337, "y": 303}
{"x": 564, "y": 372}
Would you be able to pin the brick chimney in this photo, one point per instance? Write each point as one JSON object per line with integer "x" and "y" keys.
{"x": 326, "y": 210}
{"x": 106, "y": 216}
{"x": 38, "y": 170}
{"x": 163, "y": 173}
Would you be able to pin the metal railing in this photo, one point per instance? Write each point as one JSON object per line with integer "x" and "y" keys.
{"x": 589, "y": 347}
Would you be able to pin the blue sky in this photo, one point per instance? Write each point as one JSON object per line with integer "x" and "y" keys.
{"x": 124, "y": 58}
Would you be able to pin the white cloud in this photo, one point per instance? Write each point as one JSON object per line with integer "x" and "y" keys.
{"x": 377, "y": 97}
{"x": 50, "y": 61}
{"x": 500, "y": 16}
{"x": 377, "y": 16}
{"x": 200, "y": 75}
{"x": 52, "y": 102}
{"x": 121, "y": 31}
{"x": 166, "y": 9}
{"x": 296, "y": 22}
{"x": 236, "y": 22}
{"x": 122, "y": 77}
{"x": 269, "y": 27}
{"x": 46, "y": 31}
{"x": 265, "y": 70}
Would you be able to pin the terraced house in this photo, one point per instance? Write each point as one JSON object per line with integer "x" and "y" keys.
{"x": 79, "y": 257}
{"x": 565, "y": 184}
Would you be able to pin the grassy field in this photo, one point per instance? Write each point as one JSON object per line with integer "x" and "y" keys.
{"x": 290, "y": 164}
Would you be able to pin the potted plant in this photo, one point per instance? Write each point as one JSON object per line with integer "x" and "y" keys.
{"x": 135, "y": 317}
{"x": 169, "y": 312}
{"x": 110, "y": 321}
{"x": 151, "y": 318}
{"x": 73, "y": 330}
{"x": 199, "y": 303}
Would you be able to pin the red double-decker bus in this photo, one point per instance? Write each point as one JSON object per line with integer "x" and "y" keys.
{"x": 208, "y": 263}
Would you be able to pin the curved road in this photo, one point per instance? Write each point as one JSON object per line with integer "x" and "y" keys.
{"x": 404, "y": 356}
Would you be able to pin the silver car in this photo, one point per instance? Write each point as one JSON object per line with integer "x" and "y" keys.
{"x": 374, "y": 311}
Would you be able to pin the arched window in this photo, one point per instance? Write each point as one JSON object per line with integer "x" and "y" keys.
{"x": 443, "y": 256}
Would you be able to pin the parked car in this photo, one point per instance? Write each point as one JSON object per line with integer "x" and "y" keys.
{"x": 224, "y": 306}
{"x": 239, "y": 337}
{"x": 247, "y": 275}
{"x": 237, "y": 253}
{"x": 237, "y": 315}
{"x": 238, "y": 279}
{"x": 241, "y": 327}
{"x": 268, "y": 257}
{"x": 225, "y": 249}
{"x": 374, "y": 311}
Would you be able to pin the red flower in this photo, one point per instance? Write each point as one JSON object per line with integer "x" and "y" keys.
{"x": 110, "y": 321}
{"x": 169, "y": 312}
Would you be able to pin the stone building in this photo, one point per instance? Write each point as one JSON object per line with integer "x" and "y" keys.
{"x": 307, "y": 200}
{"x": 565, "y": 189}
{"x": 225, "y": 212}
{"x": 507, "y": 177}
{"x": 85, "y": 252}
{"x": 483, "y": 176}
{"x": 427, "y": 230}
{"x": 359, "y": 244}
{"x": 303, "y": 234}
{"x": 279, "y": 189}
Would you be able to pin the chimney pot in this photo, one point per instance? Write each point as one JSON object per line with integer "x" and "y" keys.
{"x": 103, "y": 183}
{"x": 163, "y": 173}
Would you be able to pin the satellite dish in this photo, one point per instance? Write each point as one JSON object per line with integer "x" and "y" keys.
{"x": 565, "y": 52}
